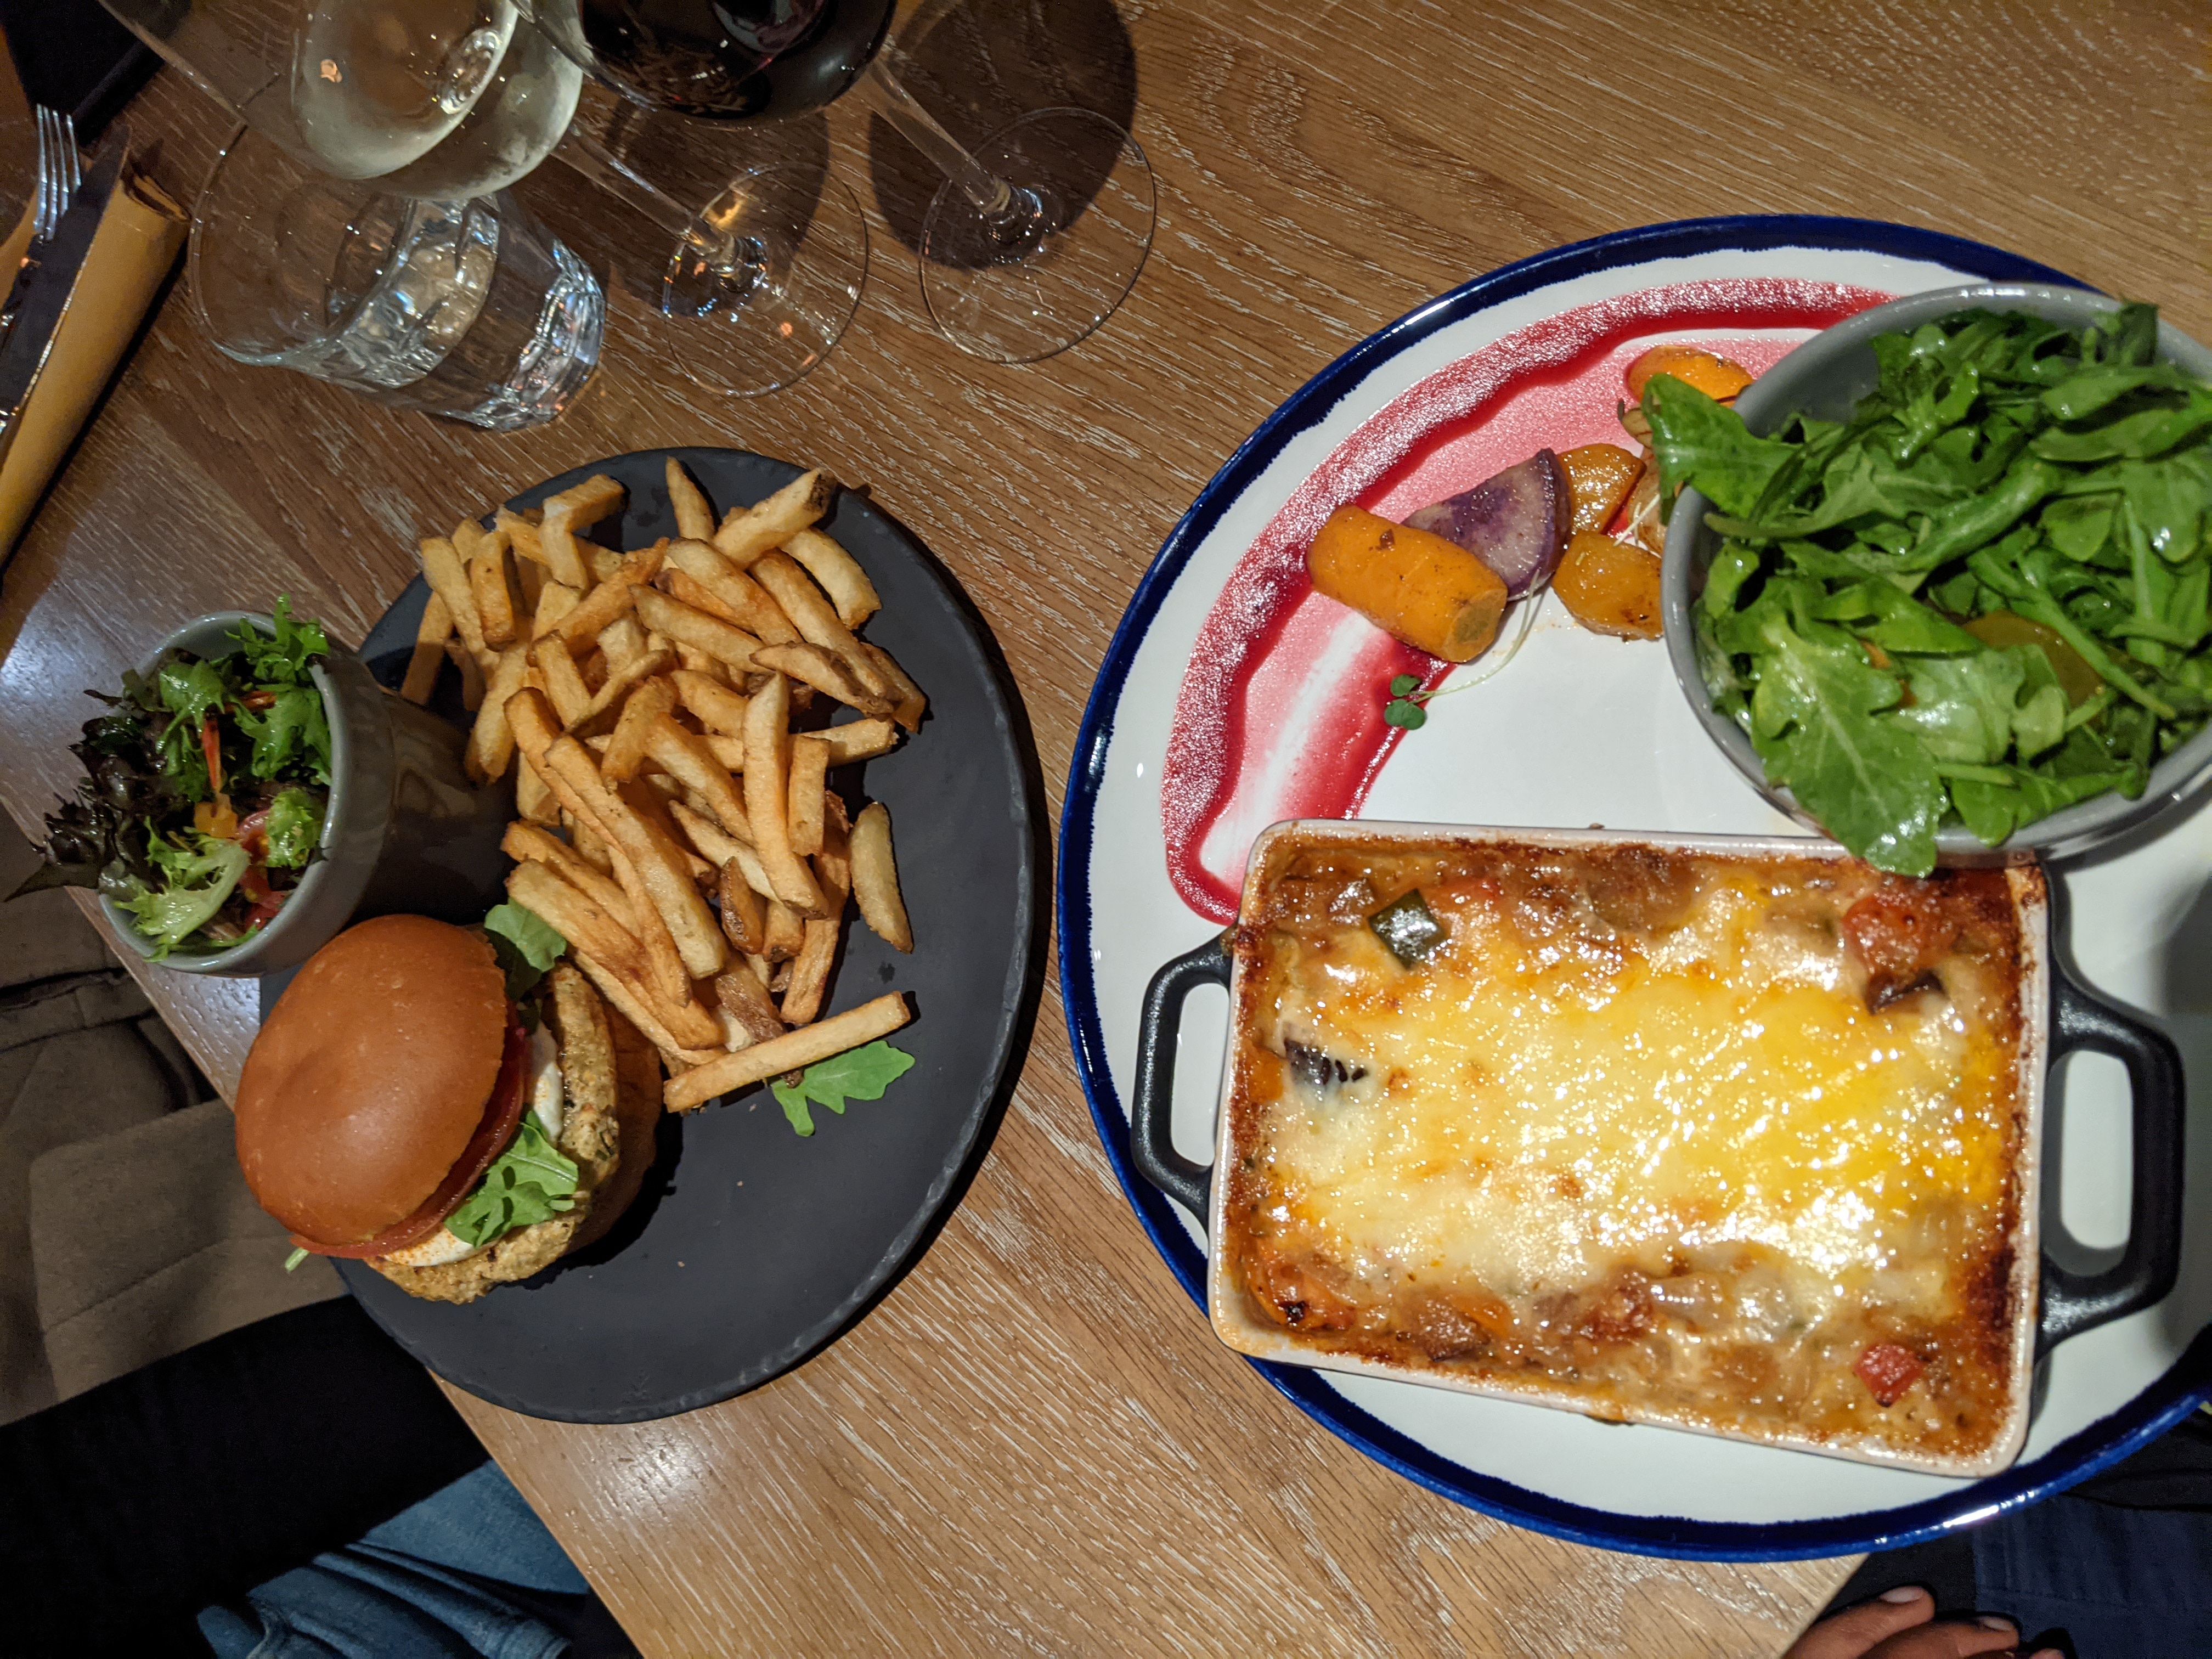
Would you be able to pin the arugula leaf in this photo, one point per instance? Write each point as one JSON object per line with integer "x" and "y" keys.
{"x": 530, "y": 1181}
{"x": 1868, "y": 782}
{"x": 293, "y": 732}
{"x": 525, "y": 943}
{"x": 197, "y": 875}
{"x": 294, "y": 825}
{"x": 1699, "y": 442}
{"x": 283, "y": 658}
{"x": 861, "y": 1073}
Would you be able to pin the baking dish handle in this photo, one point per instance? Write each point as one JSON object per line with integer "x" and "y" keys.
{"x": 2074, "y": 1302}
{"x": 1152, "y": 1109}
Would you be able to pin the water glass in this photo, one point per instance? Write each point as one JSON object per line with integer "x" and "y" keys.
{"x": 467, "y": 309}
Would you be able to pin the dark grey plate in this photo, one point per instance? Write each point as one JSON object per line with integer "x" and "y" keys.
{"x": 750, "y": 1248}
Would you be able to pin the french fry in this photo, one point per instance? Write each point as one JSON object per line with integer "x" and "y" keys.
{"x": 589, "y": 845}
{"x": 472, "y": 674}
{"x": 684, "y": 756}
{"x": 717, "y": 638}
{"x": 572, "y": 509}
{"x": 623, "y": 643}
{"x": 911, "y": 704}
{"x": 841, "y": 578}
{"x": 746, "y": 534}
{"x": 576, "y": 915}
{"x": 484, "y": 554}
{"x": 720, "y": 850}
{"x": 717, "y": 707}
{"x": 666, "y": 980}
{"x": 696, "y": 661}
{"x": 860, "y": 741}
{"x": 817, "y": 953}
{"x": 646, "y": 796}
{"x": 529, "y": 584}
{"x": 694, "y": 517}
{"x": 522, "y": 537}
{"x": 681, "y": 586}
{"x": 813, "y": 665}
{"x": 564, "y": 686}
{"x": 619, "y": 684}
{"x": 745, "y": 913}
{"x": 810, "y": 765}
{"x": 767, "y": 752}
{"x": 660, "y": 864}
{"x": 625, "y": 750}
{"x": 746, "y": 1000}
{"x": 491, "y": 740}
{"x": 612, "y": 597}
{"x": 792, "y": 1052}
{"x": 442, "y": 568}
{"x": 524, "y": 844}
{"x": 554, "y": 601}
{"x": 632, "y": 1004}
{"x": 534, "y": 800}
{"x": 816, "y": 618}
{"x": 785, "y": 932}
{"x": 875, "y": 878}
{"x": 430, "y": 636}
{"x": 743, "y": 600}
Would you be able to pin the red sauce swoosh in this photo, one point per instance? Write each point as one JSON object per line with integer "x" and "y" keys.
{"x": 1281, "y": 712}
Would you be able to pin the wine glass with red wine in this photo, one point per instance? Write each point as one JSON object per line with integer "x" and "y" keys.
{"x": 1032, "y": 241}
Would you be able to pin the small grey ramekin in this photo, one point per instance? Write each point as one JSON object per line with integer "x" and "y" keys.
{"x": 405, "y": 828}
{"x": 1826, "y": 377}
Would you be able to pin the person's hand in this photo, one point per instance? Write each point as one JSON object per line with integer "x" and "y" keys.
{"x": 1895, "y": 1625}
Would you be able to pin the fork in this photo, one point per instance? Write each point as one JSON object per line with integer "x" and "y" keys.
{"x": 60, "y": 171}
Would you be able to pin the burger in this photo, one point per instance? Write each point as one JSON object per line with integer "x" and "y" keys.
{"x": 453, "y": 1106}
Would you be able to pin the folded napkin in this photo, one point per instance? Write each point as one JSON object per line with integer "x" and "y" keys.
{"x": 138, "y": 239}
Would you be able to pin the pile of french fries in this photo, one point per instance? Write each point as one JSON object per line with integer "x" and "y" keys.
{"x": 672, "y": 823}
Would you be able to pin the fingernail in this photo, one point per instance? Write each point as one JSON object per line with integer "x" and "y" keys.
{"x": 1904, "y": 1592}
{"x": 1991, "y": 1621}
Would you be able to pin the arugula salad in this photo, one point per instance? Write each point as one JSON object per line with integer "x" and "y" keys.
{"x": 204, "y": 790}
{"x": 1980, "y": 599}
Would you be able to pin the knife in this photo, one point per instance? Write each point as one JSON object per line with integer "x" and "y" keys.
{"x": 44, "y": 288}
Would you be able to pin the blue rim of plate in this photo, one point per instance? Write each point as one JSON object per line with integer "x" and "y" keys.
{"x": 2183, "y": 1387}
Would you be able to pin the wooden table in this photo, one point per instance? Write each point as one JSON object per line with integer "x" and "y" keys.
{"x": 1034, "y": 1445}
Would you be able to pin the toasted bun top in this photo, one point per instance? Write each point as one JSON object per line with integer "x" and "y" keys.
{"x": 370, "y": 1076}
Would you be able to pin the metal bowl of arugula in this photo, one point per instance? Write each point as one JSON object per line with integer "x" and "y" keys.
{"x": 237, "y": 796}
{"x": 1937, "y": 585}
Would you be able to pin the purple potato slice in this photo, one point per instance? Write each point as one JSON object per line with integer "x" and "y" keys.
{"x": 1515, "y": 523}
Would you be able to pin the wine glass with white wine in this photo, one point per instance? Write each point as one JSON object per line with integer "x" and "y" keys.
{"x": 447, "y": 100}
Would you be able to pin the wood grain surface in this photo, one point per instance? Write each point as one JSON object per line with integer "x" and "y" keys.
{"x": 1033, "y": 1445}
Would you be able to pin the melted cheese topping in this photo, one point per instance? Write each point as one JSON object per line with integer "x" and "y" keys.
{"x": 1531, "y": 1121}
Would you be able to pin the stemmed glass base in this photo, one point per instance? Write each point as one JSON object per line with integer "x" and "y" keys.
{"x": 1045, "y": 266}
{"x": 767, "y": 277}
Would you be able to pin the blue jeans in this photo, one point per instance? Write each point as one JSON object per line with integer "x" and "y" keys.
{"x": 426, "y": 1584}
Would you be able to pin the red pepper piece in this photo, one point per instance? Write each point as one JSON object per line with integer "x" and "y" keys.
{"x": 211, "y": 746}
{"x": 1888, "y": 1370}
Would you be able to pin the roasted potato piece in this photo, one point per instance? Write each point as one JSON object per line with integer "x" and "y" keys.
{"x": 1433, "y": 594}
{"x": 1718, "y": 377}
{"x": 1611, "y": 588}
{"x": 1599, "y": 479}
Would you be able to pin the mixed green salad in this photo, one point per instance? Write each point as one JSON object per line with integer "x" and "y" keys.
{"x": 204, "y": 790}
{"x": 1980, "y": 599}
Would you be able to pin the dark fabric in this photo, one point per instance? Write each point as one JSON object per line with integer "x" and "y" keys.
{"x": 73, "y": 55}
{"x": 130, "y": 1507}
{"x": 2120, "y": 1567}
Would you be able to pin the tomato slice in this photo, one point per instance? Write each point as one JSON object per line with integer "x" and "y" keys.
{"x": 500, "y": 1118}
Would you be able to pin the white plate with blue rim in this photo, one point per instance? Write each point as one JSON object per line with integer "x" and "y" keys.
{"x": 1229, "y": 699}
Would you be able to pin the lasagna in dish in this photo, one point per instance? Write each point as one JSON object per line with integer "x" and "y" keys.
{"x": 1729, "y": 1142}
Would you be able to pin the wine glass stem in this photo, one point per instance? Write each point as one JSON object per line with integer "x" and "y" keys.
{"x": 588, "y": 156}
{"x": 992, "y": 196}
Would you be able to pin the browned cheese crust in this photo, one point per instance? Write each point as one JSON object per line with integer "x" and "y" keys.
{"x": 1708, "y": 1314}
{"x": 590, "y": 1134}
